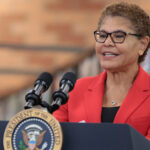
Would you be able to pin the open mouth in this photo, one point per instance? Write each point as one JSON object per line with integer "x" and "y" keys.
{"x": 109, "y": 54}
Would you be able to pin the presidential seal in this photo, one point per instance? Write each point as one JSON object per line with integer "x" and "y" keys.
{"x": 33, "y": 129}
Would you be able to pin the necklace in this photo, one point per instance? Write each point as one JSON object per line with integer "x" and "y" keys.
{"x": 113, "y": 103}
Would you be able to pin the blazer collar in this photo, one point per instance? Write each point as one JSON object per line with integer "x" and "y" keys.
{"x": 137, "y": 94}
{"x": 99, "y": 81}
{"x": 142, "y": 81}
{"x": 93, "y": 98}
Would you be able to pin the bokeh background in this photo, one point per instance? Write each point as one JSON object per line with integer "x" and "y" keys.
{"x": 47, "y": 35}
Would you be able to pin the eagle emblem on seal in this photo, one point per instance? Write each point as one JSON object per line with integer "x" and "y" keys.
{"x": 33, "y": 136}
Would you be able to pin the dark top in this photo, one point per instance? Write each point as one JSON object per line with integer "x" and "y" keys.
{"x": 109, "y": 113}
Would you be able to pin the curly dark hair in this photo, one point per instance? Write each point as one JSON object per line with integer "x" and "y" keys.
{"x": 137, "y": 16}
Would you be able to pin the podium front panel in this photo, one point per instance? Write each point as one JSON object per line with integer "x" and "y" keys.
{"x": 92, "y": 136}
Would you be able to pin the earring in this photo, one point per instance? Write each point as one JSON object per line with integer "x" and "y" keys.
{"x": 140, "y": 52}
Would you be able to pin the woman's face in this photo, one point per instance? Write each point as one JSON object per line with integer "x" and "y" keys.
{"x": 118, "y": 56}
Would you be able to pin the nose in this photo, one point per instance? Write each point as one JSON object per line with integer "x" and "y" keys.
{"x": 109, "y": 41}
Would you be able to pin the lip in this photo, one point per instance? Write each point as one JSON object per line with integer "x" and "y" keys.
{"x": 109, "y": 54}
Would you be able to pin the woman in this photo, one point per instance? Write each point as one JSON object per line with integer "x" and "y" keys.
{"x": 121, "y": 94}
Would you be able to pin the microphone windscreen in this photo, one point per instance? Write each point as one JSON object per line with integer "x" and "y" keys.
{"x": 70, "y": 76}
{"x": 46, "y": 77}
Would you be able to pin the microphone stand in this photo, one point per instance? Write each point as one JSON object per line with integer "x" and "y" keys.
{"x": 50, "y": 108}
{"x": 33, "y": 100}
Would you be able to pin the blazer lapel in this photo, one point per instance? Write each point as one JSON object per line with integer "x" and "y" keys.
{"x": 136, "y": 96}
{"x": 93, "y": 99}
{"x": 133, "y": 100}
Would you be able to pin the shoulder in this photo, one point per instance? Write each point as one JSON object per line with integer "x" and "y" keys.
{"x": 89, "y": 82}
{"x": 86, "y": 80}
{"x": 142, "y": 80}
{"x": 143, "y": 72}
{"x": 143, "y": 75}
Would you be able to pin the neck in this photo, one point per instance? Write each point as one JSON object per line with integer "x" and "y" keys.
{"x": 125, "y": 77}
{"x": 117, "y": 86}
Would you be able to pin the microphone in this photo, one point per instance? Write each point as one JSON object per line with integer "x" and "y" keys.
{"x": 61, "y": 96}
{"x": 33, "y": 97}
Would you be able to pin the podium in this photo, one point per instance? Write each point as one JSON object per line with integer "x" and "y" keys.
{"x": 94, "y": 136}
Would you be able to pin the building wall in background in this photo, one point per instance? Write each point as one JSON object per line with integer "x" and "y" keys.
{"x": 52, "y": 22}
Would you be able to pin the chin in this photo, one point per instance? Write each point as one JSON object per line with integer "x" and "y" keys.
{"x": 110, "y": 67}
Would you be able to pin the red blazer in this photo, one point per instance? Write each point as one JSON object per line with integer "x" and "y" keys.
{"x": 85, "y": 103}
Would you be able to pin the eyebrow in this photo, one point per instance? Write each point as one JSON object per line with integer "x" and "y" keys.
{"x": 112, "y": 31}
